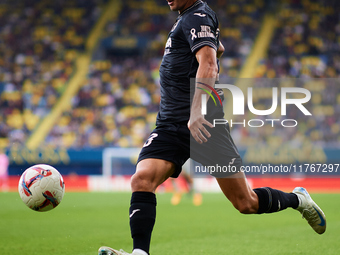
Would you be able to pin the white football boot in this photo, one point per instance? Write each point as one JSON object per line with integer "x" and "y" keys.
{"x": 104, "y": 250}
{"x": 310, "y": 210}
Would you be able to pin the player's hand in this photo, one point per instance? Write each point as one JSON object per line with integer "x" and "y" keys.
{"x": 197, "y": 128}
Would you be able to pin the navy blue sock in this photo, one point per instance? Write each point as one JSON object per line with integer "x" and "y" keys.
{"x": 142, "y": 219}
{"x": 273, "y": 200}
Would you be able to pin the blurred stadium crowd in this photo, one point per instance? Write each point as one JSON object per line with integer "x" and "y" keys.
{"x": 306, "y": 46}
{"x": 39, "y": 41}
{"x": 118, "y": 101}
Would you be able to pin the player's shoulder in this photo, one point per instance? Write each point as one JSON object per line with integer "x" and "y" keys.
{"x": 200, "y": 10}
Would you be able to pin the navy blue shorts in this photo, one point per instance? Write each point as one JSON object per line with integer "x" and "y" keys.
{"x": 174, "y": 143}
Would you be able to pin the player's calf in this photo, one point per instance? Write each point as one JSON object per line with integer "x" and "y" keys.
{"x": 142, "y": 219}
{"x": 272, "y": 200}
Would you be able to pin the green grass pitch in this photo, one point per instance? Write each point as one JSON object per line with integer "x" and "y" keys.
{"x": 85, "y": 221}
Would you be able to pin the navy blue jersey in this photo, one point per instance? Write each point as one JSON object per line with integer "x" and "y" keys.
{"x": 195, "y": 27}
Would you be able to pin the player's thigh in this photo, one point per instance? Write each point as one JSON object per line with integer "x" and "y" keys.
{"x": 239, "y": 193}
{"x": 150, "y": 173}
{"x": 219, "y": 154}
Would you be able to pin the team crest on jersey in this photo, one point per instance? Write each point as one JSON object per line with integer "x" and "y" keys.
{"x": 168, "y": 43}
{"x": 167, "y": 46}
{"x": 174, "y": 26}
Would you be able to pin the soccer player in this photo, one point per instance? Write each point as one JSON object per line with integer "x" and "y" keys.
{"x": 191, "y": 51}
{"x": 185, "y": 175}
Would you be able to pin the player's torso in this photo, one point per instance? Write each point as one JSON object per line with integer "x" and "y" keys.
{"x": 178, "y": 60}
{"x": 179, "y": 63}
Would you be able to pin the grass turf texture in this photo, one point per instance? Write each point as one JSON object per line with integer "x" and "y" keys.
{"x": 85, "y": 221}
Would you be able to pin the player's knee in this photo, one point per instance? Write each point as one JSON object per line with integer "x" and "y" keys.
{"x": 140, "y": 181}
{"x": 246, "y": 206}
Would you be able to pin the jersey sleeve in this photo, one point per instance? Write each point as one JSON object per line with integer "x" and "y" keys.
{"x": 201, "y": 30}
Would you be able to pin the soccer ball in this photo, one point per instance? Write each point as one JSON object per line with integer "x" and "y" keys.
{"x": 41, "y": 187}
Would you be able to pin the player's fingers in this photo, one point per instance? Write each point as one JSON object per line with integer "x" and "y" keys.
{"x": 197, "y": 139}
{"x": 201, "y": 136}
{"x": 205, "y": 122}
{"x": 205, "y": 131}
{"x": 197, "y": 135}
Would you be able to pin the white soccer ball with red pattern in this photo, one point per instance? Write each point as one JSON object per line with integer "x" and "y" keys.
{"x": 41, "y": 187}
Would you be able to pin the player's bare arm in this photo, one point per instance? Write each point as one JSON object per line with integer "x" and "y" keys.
{"x": 206, "y": 72}
{"x": 220, "y": 50}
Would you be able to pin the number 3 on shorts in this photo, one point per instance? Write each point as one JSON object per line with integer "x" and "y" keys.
{"x": 149, "y": 141}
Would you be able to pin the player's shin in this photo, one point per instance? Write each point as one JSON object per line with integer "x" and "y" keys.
{"x": 142, "y": 219}
{"x": 272, "y": 200}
